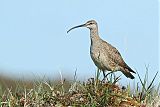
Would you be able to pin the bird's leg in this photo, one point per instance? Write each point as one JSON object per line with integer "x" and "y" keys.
{"x": 104, "y": 76}
{"x": 109, "y": 73}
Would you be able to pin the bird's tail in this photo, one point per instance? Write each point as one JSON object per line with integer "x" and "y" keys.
{"x": 127, "y": 73}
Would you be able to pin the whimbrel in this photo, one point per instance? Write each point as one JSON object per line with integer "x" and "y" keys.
{"x": 104, "y": 55}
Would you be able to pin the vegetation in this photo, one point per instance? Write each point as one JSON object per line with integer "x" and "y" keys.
{"x": 91, "y": 93}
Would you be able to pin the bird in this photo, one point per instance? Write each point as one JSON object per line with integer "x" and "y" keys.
{"x": 105, "y": 56}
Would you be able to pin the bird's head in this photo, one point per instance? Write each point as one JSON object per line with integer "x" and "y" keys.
{"x": 91, "y": 24}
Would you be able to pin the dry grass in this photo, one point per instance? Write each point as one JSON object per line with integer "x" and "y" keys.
{"x": 91, "y": 93}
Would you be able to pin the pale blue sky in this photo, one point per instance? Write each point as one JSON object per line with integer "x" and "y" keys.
{"x": 33, "y": 38}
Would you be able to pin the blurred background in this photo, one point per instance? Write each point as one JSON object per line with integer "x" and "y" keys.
{"x": 34, "y": 42}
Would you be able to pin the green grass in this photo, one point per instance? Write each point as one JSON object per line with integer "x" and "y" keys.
{"x": 91, "y": 93}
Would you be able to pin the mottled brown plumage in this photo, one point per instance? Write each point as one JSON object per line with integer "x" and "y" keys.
{"x": 104, "y": 55}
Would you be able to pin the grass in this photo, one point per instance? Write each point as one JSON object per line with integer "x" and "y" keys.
{"x": 91, "y": 93}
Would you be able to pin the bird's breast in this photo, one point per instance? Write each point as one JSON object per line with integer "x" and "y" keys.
{"x": 98, "y": 57}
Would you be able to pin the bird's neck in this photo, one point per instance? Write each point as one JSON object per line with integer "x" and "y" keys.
{"x": 94, "y": 35}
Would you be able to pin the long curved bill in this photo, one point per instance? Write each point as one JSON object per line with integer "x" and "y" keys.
{"x": 76, "y": 27}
